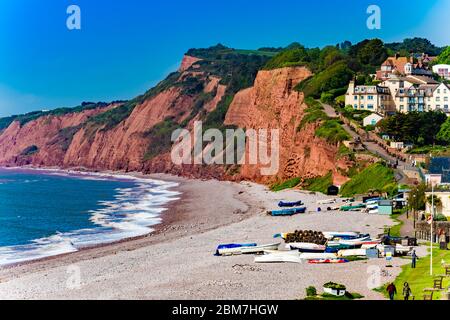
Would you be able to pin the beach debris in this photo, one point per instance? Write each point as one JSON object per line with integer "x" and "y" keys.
{"x": 240, "y": 268}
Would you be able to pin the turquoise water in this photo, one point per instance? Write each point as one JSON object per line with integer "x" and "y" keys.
{"x": 44, "y": 213}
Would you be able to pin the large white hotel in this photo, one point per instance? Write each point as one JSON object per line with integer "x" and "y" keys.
{"x": 407, "y": 90}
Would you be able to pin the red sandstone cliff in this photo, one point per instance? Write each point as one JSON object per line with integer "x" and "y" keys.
{"x": 273, "y": 104}
{"x": 72, "y": 141}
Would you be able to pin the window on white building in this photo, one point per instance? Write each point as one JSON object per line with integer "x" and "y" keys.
{"x": 370, "y": 106}
{"x": 438, "y": 99}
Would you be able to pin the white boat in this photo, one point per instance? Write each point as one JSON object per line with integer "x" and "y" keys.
{"x": 402, "y": 249}
{"x": 355, "y": 242}
{"x": 353, "y": 253}
{"x": 306, "y": 247}
{"x": 260, "y": 249}
{"x": 331, "y": 235}
{"x": 372, "y": 207}
{"x": 279, "y": 257}
{"x": 317, "y": 256}
{"x": 329, "y": 201}
{"x": 374, "y": 211}
{"x": 370, "y": 245}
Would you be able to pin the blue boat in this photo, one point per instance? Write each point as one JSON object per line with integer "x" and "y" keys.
{"x": 287, "y": 212}
{"x": 283, "y": 204}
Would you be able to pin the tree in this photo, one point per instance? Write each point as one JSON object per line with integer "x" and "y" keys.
{"x": 417, "y": 199}
{"x": 444, "y": 57}
{"x": 444, "y": 133}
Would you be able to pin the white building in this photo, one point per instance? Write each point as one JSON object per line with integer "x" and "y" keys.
{"x": 418, "y": 93}
{"x": 442, "y": 70}
{"x": 370, "y": 98}
{"x": 372, "y": 119}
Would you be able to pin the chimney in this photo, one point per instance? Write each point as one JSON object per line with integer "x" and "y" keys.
{"x": 397, "y": 55}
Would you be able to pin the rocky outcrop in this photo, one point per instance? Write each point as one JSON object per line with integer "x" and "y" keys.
{"x": 187, "y": 62}
{"x": 273, "y": 104}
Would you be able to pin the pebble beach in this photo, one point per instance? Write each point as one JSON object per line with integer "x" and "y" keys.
{"x": 177, "y": 261}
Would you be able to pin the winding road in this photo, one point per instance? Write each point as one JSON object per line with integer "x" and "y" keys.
{"x": 373, "y": 147}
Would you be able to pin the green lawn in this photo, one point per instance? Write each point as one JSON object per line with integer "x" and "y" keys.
{"x": 420, "y": 278}
{"x": 395, "y": 230}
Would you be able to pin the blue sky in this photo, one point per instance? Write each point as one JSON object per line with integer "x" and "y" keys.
{"x": 125, "y": 47}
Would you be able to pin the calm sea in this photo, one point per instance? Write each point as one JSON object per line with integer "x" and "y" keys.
{"x": 46, "y": 213}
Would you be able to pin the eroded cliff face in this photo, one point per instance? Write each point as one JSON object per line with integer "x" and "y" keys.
{"x": 139, "y": 141}
{"x": 273, "y": 104}
{"x": 42, "y": 142}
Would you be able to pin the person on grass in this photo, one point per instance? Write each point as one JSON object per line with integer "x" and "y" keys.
{"x": 392, "y": 290}
{"x": 407, "y": 291}
{"x": 414, "y": 259}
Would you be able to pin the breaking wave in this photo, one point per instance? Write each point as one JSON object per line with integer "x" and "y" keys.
{"x": 132, "y": 213}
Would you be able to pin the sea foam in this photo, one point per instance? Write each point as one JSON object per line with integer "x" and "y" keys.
{"x": 131, "y": 214}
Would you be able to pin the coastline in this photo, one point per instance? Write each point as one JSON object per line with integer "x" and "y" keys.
{"x": 176, "y": 261}
{"x": 173, "y": 223}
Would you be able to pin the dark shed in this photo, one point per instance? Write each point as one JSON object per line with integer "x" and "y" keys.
{"x": 333, "y": 191}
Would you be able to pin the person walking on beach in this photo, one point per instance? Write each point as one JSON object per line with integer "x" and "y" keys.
{"x": 407, "y": 291}
{"x": 392, "y": 290}
{"x": 414, "y": 259}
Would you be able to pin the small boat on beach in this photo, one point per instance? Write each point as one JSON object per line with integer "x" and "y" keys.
{"x": 306, "y": 247}
{"x": 341, "y": 235}
{"x": 358, "y": 207}
{"x": 356, "y": 242}
{"x": 402, "y": 250}
{"x": 335, "y": 247}
{"x": 317, "y": 256}
{"x": 279, "y": 257}
{"x": 232, "y": 249}
{"x": 328, "y": 201}
{"x": 283, "y": 204}
{"x": 287, "y": 212}
{"x": 373, "y": 200}
{"x": 260, "y": 249}
{"x": 328, "y": 261}
{"x": 353, "y": 253}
